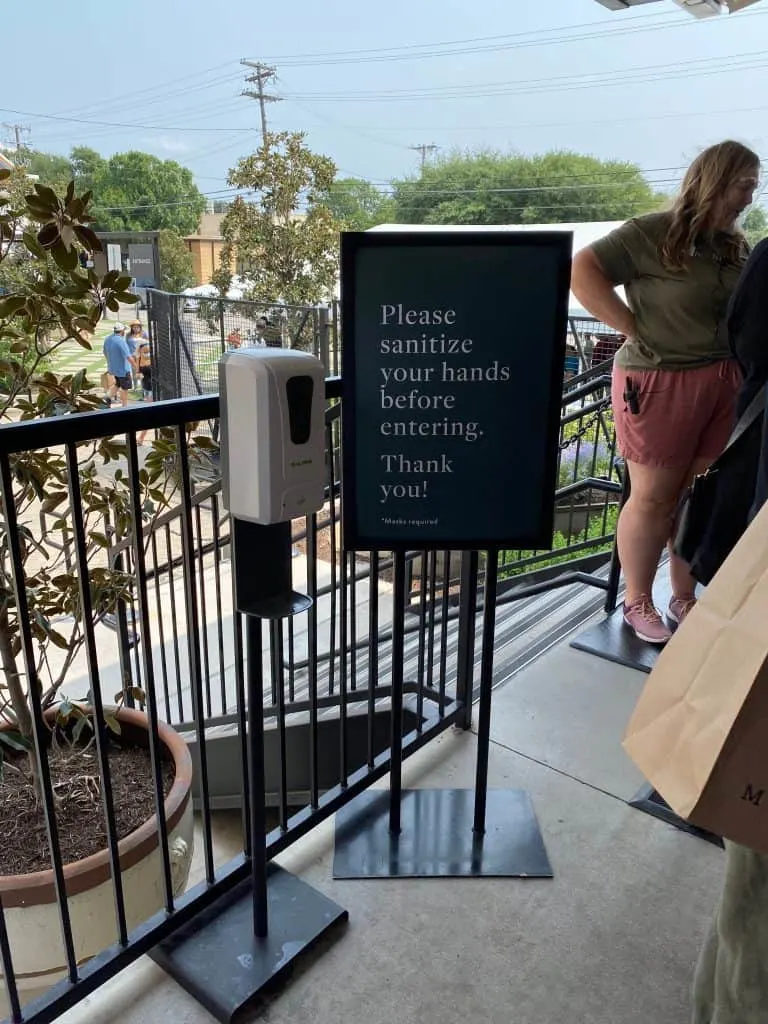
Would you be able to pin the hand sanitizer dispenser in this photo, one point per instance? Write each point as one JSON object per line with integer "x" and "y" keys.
{"x": 272, "y": 434}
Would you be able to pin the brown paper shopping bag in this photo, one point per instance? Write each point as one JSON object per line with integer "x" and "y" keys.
{"x": 699, "y": 732}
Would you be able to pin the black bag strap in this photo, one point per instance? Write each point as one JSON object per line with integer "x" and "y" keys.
{"x": 755, "y": 408}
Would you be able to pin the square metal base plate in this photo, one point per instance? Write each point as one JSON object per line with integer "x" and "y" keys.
{"x": 649, "y": 801}
{"x": 612, "y": 639}
{"x": 217, "y": 959}
{"x": 437, "y": 840}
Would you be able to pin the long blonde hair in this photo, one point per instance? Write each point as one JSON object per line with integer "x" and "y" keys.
{"x": 704, "y": 184}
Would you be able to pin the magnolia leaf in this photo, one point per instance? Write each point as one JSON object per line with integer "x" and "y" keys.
{"x": 48, "y": 236}
{"x": 48, "y": 196}
{"x": 11, "y": 305}
{"x": 53, "y": 501}
{"x": 14, "y": 741}
{"x": 88, "y": 239}
{"x": 33, "y": 245}
{"x": 113, "y": 725}
{"x": 82, "y": 723}
{"x": 201, "y": 441}
{"x": 64, "y": 257}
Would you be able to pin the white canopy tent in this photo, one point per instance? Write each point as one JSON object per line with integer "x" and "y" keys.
{"x": 583, "y": 235}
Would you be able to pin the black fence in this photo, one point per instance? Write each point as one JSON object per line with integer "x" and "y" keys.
{"x": 189, "y": 334}
{"x": 137, "y": 545}
{"x": 147, "y": 560}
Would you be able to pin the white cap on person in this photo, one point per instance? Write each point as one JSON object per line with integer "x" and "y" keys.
{"x": 119, "y": 327}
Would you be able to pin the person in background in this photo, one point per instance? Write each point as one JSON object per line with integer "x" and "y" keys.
{"x": 731, "y": 981}
{"x": 120, "y": 362}
{"x": 234, "y": 339}
{"x": 143, "y": 358}
{"x": 133, "y": 336}
{"x": 268, "y": 334}
{"x": 675, "y": 382}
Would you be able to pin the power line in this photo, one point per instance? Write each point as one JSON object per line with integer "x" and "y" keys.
{"x": 701, "y": 66}
{"x": 571, "y": 123}
{"x": 116, "y": 124}
{"x": 464, "y": 47}
{"x": 707, "y": 66}
{"x": 481, "y": 44}
{"x": 158, "y": 90}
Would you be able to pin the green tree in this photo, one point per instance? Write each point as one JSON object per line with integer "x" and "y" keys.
{"x": 489, "y": 187}
{"x": 177, "y": 269}
{"x": 755, "y": 225}
{"x": 140, "y": 192}
{"x": 49, "y": 168}
{"x": 88, "y": 168}
{"x": 131, "y": 191}
{"x": 358, "y": 205}
{"x": 284, "y": 241}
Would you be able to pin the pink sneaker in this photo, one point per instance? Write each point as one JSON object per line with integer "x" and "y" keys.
{"x": 648, "y": 625}
{"x": 679, "y": 608}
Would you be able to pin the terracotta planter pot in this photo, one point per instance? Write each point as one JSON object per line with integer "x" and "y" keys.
{"x": 29, "y": 901}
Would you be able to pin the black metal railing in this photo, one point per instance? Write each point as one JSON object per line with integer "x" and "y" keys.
{"x": 169, "y": 639}
{"x": 190, "y": 333}
{"x": 334, "y": 670}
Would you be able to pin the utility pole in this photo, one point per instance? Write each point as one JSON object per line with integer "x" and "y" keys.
{"x": 425, "y": 151}
{"x": 261, "y": 77}
{"x": 16, "y": 131}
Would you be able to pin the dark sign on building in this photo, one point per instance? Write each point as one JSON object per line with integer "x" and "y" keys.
{"x": 142, "y": 265}
{"x": 453, "y": 356}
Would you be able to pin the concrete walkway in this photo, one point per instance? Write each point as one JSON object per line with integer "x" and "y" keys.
{"x": 611, "y": 940}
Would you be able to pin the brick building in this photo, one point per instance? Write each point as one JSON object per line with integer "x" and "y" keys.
{"x": 206, "y": 245}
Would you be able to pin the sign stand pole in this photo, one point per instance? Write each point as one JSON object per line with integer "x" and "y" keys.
{"x": 448, "y": 833}
{"x": 486, "y": 688}
{"x": 398, "y": 658}
{"x": 232, "y": 951}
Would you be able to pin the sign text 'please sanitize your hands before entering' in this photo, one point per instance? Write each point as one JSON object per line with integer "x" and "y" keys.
{"x": 453, "y": 350}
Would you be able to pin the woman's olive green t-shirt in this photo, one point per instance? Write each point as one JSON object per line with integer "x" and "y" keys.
{"x": 680, "y": 314}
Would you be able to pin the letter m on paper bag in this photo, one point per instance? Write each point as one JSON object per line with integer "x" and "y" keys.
{"x": 699, "y": 732}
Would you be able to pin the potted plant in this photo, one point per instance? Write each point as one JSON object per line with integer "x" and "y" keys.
{"x": 46, "y": 300}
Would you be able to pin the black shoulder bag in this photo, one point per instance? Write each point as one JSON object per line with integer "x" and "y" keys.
{"x": 714, "y": 511}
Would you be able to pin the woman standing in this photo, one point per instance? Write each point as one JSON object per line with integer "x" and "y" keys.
{"x": 674, "y": 380}
{"x": 143, "y": 356}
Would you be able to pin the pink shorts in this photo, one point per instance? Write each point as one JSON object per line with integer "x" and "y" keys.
{"x": 683, "y": 416}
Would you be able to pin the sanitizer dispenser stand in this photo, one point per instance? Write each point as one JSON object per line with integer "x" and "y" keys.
{"x": 273, "y": 470}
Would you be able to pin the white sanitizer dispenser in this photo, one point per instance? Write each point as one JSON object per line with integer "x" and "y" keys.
{"x": 272, "y": 434}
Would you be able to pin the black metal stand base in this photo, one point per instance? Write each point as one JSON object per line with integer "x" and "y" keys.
{"x": 217, "y": 959}
{"x": 650, "y": 802}
{"x": 437, "y": 838}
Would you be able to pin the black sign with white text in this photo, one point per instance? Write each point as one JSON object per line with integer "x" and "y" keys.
{"x": 453, "y": 357}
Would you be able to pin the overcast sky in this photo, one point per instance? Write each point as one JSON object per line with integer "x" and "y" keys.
{"x": 652, "y": 85}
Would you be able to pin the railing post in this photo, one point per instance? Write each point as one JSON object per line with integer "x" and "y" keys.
{"x": 614, "y": 572}
{"x": 466, "y": 642}
{"x": 323, "y": 323}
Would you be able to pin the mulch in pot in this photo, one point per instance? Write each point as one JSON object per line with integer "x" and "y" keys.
{"x": 80, "y": 815}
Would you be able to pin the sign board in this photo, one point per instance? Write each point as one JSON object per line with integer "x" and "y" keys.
{"x": 453, "y": 357}
{"x": 142, "y": 265}
{"x": 114, "y": 258}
